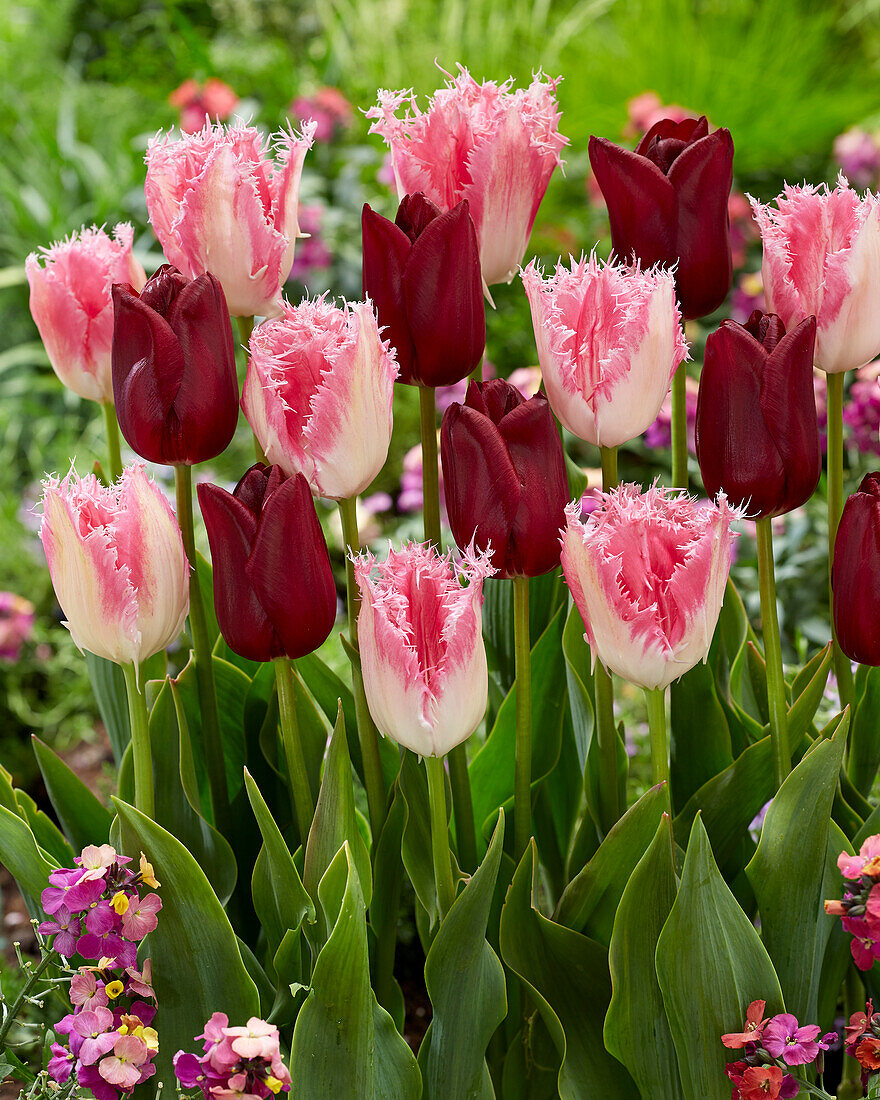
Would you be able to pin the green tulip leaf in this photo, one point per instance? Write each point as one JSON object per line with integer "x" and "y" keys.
{"x": 46, "y": 833}
{"x": 864, "y": 741}
{"x": 416, "y": 851}
{"x": 700, "y": 744}
{"x": 20, "y": 854}
{"x": 83, "y": 817}
{"x": 837, "y": 960}
{"x": 388, "y": 877}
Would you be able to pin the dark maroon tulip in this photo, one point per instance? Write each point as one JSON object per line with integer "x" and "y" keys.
{"x": 504, "y": 477}
{"x": 667, "y": 202}
{"x": 274, "y": 593}
{"x": 422, "y": 273}
{"x": 174, "y": 381}
{"x": 855, "y": 574}
{"x": 757, "y": 433}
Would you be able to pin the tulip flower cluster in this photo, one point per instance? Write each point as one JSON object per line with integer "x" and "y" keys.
{"x": 237, "y": 1061}
{"x": 770, "y": 1048}
{"x": 859, "y": 908}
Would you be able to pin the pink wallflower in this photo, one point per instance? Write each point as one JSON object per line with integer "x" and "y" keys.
{"x": 858, "y": 154}
{"x": 822, "y": 257}
{"x": 212, "y": 102}
{"x": 783, "y": 1038}
{"x": 66, "y": 929}
{"x": 238, "y": 1062}
{"x": 867, "y": 862}
{"x": 140, "y": 917}
{"x": 864, "y": 945}
{"x": 219, "y": 203}
{"x": 486, "y": 143}
{"x": 256, "y": 1040}
{"x": 422, "y": 652}
{"x": 609, "y": 341}
{"x": 71, "y": 306}
{"x": 123, "y": 1067}
{"x": 327, "y": 108}
{"x": 16, "y": 625}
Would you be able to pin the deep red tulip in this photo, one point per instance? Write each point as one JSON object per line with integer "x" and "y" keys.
{"x": 757, "y": 433}
{"x": 422, "y": 273}
{"x": 855, "y": 574}
{"x": 667, "y": 202}
{"x": 273, "y": 586}
{"x": 504, "y": 477}
{"x": 174, "y": 380}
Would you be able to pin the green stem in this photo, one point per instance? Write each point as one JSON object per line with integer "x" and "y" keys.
{"x": 476, "y": 374}
{"x": 609, "y": 468}
{"x": 204, "y": 664}
{"x": 656, "y": 699}
{"x": 301, "y": 793}
{"x": 25, "y": 992}
{"x": 842, "y": 666}
{"x": 679, "y": 429}
{"x": 245, "y": 328}
{"x": 111, "y": 427}
{"x": 773, "y": 654}
{"x": 440, "y": 833}
{"x": 368, "y": 735}
{"x": 606, "y": 734}
{"x": 522, "y": 783}
{"x": 140, "y": 742}
{"x": 462, "y": 802}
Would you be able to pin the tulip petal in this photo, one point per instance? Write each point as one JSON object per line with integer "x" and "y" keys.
{"x": 386, "y": 249}
{"x": 291, "y": 149}
{"x": 855, "y": 576}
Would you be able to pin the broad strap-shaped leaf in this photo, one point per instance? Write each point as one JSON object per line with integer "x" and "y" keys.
{"x": 700, "y": 743}
{"x": 83, "y": 817}
{"x": 567, "y": 975}
{"x": 591, "y": 898}
{"x": 416, "y": 849}
{"x": 636, "y": 1029}
{"x": 580, "y": 682}
{"x": 864, "y": 741}
{"x": 837, "y": 959}
{"x": 787, "y": 873}
{"x": 46, "y": 833}
{"x": 465, "y": 981}
{"x": 344, "y": 1043}
{"x": 20, "y": 854}
{"x": 108, "y": 684}
{"x": 197, "y": 964}
{"x": 711, "y": 965}
{"x": 388, "y": 875}
{"x": 807, "y": 691}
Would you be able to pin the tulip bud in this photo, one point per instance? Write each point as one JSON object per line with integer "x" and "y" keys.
{"x": 174, "y": 377}
{"x": 757, "y": 434}
{"x": 609, "y": 341}
{"x": 667, "y": 203}
{"x": 117, "y": 563}
{"x": 855, "y": 574}
{"x": 504, "y": 477}
{"x": 495, "y": 147}
{"x": 423, "y": 275}
{"x": 647, "y": 572}
{"x": 72, "y": 308}
{"x": 421, "y": 644}
{"x": 822, "y": 257}
{"x": 274, "y": 593}
{"x": 318, "y": 395}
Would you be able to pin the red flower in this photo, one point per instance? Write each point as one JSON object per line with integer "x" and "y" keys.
{"x": 754, "y": 1025}
{"x": 761, "y": 1082}
{"x": 868, "y": 1052}
{"x": 857, "y": 1026}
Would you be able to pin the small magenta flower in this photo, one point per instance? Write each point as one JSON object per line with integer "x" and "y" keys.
{"x": 783, "y": 1038}
{"x": 65, "y": 928}
{"x": 140, "y": 917}
{"x": 864, "y": 945}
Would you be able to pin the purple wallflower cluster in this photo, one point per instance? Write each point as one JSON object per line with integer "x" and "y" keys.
{"x": 861, "y": 413}
{"x": 96, "y": 911}
{"x": 237, "y": 1062}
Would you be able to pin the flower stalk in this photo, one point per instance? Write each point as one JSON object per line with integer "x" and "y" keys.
{"x": 606, "y": 734}
{"x": 301, "y": 793}
{"x": 522, "y": 786}
{"x": 679, "y": 430}
{"x": 140, "y": 742}
{"x": 773, "y": 654}
{"x": 111, "y": 426}
{"x": 842, "y": 666}
{"x": 440, "y": 833}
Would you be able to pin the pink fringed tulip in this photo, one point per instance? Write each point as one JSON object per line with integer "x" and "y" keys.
{"x": 71, "y": 306}
{"x": 318, "y": 394}
{"x": 217, "y": 202}
{"x": 117, "y": 562}
{"x": 647, "y": 572}
{"x": 482, "y": 142}
{"x": 609, "y": 341}
{"x": 421, "y": 643}
{"x": 822, "y": 257}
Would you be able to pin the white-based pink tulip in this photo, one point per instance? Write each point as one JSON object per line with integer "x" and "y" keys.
{"x": 647, "y": 572}
{"x": 117, "y": 563}
{"x": 609, "y": 340}
{"x": 421, "y": 642}
{"x": 486, "y": 143}
{"x": 318, "y": 394}
{"x": 219, "y": 202}
{"x": 71, "y": 305}
{"x": 822, "y": 258}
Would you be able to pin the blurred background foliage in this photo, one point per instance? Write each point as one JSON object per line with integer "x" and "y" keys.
{"x": 86, "y": 83}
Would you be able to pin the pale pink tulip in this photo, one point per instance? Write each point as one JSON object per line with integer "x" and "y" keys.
{"x": 421, "y": 642}
{"x": 117, "y": 562}
{"x": 609, "y": 341}
{"x": 71, "y": 305}
{"x": 647, "y": 572}
{"x": 318, "y": 394}
{"x": 218, "y": 202}
{"x": 822, "y": 257}
{"x": 495, "y": 147}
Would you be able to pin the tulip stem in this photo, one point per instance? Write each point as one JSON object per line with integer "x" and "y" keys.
{"x": 679, "y": 429}
{"x": 301, "y": 793}
{"x": 522, "y": 783}
{"x": 609, "y": 468}
{"x": 606, "y": 734}
{"x": 368, "y": 735}
{"x": 204, "y": 663}
{"x": 111, "y": 425}
{"x": 656, "y": 699}
{"x": 140, "y": 742}
{"x": 842, "y": 666}
{"x": 245, "y": 328}
{"x": 462, "y": 802}
{"x": 440, "y": 833}
{"x": 773, "y": 654}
